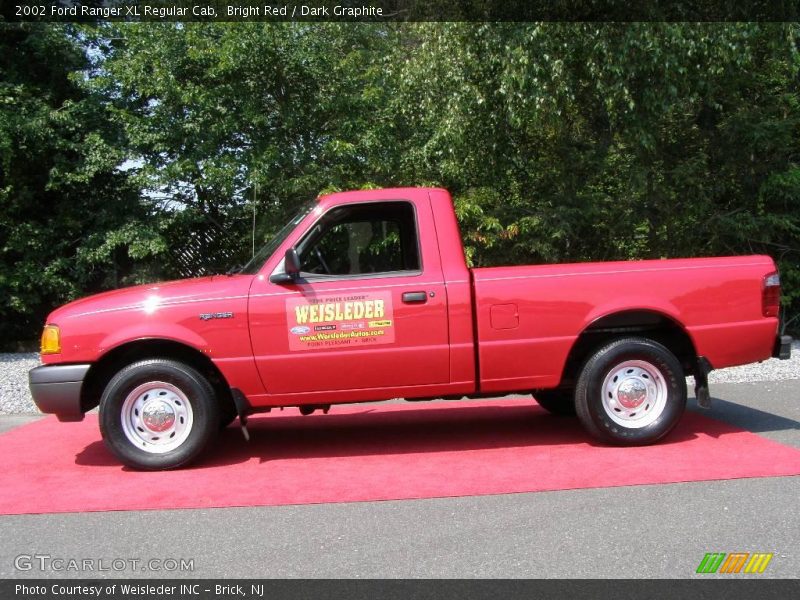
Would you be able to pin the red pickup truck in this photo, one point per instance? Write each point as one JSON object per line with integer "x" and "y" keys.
{"x": 367, "y": 296}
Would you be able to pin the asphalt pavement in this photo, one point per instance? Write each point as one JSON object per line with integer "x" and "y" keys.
{"x": 625, "y": 532}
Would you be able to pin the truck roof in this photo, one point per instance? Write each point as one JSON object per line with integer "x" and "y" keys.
{"x": 404, "y": 192}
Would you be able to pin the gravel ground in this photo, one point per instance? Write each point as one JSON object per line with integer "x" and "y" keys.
{"x": 15, "y": 398}
{"x": 14, "y": 395}
{"x": 769, "y": 370}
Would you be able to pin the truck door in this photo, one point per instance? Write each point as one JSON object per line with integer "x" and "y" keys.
{"x": 368, "y": 312}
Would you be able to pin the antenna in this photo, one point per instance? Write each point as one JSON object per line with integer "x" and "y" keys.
{"x": 255, "y": 194}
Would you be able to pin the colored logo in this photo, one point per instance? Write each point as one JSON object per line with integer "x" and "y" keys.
{"x": 339, "y": 320}
{"x": 735, "y": 562}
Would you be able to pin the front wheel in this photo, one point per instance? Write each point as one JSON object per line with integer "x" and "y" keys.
{"x": 158, "y": 414}
{"x": 631, "y": 392}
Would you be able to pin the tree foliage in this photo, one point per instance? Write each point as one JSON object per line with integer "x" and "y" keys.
{"x": 589, "y": 141}
{"x": 68, "y": 212}
{"x": 560, "y": 141}
{"x": 222, "y": 117}
{"x": 604, "y": 141}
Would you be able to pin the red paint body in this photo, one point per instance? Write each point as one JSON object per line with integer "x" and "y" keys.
{"x": 526, "y": 319}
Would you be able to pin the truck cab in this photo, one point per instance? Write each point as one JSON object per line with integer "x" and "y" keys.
{"x": 376, "y": 305}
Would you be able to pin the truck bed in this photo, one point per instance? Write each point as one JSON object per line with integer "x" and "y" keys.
{"x": 529, "y": 317}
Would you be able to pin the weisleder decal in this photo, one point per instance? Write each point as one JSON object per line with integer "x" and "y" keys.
{"x": 340, "y": 321}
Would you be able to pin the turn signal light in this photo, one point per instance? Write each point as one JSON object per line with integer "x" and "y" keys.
{"x": 771, "y": 295}
{"x": 51, "y": 340}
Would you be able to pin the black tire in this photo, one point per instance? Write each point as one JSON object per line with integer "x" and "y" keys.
{"x": 605, "y": 368}
{"x": 557, "y": 402}
{"x": 192, "y": 386}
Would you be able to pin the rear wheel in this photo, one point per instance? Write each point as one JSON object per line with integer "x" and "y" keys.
{"x": 631, "y": 392}
{"x": 158, "y": 414}
{"x": 558, "y": 402}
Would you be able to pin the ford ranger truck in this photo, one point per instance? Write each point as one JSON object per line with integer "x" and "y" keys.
{"x": 367, "y": 296}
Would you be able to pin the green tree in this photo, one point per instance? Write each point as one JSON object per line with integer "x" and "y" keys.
{"x": 71, "y": 222}
{"x": 219, "y": 114}
{"x": 560, "y": 141}
{"x": 593, "y": 141}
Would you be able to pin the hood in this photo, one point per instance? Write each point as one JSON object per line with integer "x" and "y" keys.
{"x": 157, "y": 294}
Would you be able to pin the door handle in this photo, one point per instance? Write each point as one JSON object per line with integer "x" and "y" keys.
{"x": 415, "y": 297}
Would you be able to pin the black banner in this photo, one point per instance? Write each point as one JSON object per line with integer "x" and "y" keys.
{"x": 399, "y": 10}
{"x": 338, "y": 589}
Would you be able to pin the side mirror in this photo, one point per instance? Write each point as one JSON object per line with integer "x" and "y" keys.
{"x": 291, "y": 264}
{"x": 291, "y": 268}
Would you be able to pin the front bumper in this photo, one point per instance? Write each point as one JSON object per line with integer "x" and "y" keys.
{"x": 56, "y": 389}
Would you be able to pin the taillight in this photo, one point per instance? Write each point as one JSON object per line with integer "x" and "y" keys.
{"x": 771, "y": 295}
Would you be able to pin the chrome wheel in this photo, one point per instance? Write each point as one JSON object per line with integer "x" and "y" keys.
{"x": 156, "y": 417}
{"x": 634, "y": 393}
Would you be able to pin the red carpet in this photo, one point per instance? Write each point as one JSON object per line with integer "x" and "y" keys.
{"x": 372, "y": 452}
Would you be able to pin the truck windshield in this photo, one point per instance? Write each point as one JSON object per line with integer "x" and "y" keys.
{"x": 255, "y": 263}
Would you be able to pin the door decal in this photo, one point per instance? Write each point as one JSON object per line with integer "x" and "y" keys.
{"x": 340, "y": 321}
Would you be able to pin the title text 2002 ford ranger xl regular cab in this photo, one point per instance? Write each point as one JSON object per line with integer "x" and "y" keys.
{"x": 367, "y": 296}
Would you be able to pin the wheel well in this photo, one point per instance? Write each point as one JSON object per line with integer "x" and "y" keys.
{"x": 110, "y": 363}
{"x": 652, "y": 325}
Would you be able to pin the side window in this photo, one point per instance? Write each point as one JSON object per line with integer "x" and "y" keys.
{"x": 362, "y": 239}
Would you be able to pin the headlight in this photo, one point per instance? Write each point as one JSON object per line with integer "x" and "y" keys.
{"x": 51, "y": 340}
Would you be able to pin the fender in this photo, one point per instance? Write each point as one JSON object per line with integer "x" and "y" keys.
{"x": 632, "y": 304}
{"x": 166, "y": 331}
{"x": 661, "y": 307}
